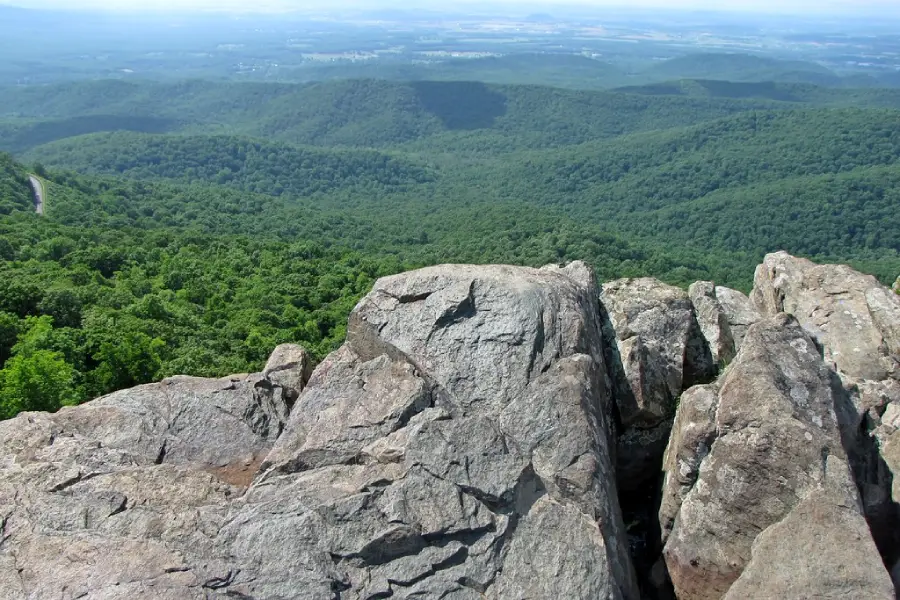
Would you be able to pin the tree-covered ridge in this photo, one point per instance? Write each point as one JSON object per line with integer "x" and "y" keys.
{"x": 631, "y": 186}
{"x": 457, "y": 222}
{"x": 109, "y": 302}
{"x": 742, "y": 68}
{"x": 85, "y": 311}
{"x": 15, "y": 191}
{"x": 648, "y": 171}
{"x": 798, "y": 93}
{"x": 818, "y": 215}
{"x": 19, "y": 136}
{"x": 252, "y": 165}
{"x": 358, "y": 113}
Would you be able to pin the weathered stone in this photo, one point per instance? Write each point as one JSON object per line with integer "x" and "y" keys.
{"x": 855, "y": 321}
{"x": 122, "y": 497}
{"x": 659, "y": 350}
{"x": 456, "y": 446}
{"x": 692, "y": 436}
{"x": 289, "y": 366}
{"x": 822, "y": 550}
{"x": 777, "y": 446}
{"x": 713, "y": 322}
{"x": 739, "y": 311}
{"x": 853, "y": 318}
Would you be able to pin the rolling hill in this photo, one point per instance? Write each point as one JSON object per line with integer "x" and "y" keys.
{"x": 252, "y": 165}
{"x": 739, "y": 67}
{"x": 358, "y": 113}
{"x": 798, "y": 93}
{"x": 15, "y": 191}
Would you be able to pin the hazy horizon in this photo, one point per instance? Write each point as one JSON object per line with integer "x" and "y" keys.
{"x": 810, "y": 8}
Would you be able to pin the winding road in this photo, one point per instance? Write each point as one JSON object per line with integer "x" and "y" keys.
{"x": 38, "y": 189}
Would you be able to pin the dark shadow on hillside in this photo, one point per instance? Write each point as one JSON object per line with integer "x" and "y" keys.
{"x": 461, "y": 104}
{"x": 766, "y": 89}
{"x": 50, "y": 131}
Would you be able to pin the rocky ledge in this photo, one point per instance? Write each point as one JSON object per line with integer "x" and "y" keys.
{"x": 493, "y": 432}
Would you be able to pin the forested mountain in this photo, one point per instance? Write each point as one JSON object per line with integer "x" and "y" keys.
{"x": 742, "y": 68}
{"x": 469, "y": 116}
{"x": 802, "y": 93}
{"x": 195, "y": 233}
{"x": 251, "y": 165}
{"x": 632, "y": 185}
{"x": 345, "y": 113}
{"x": 15, "y": 191}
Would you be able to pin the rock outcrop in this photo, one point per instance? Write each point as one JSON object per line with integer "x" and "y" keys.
{"x": 713, "y": 322}
{"x": 289, "y": 367}
{"x": 655, "y": 350}
{"x": 855, "y": 321}
{"x": 457, "y": 446}
{"x": 757, "y": 463}
{"x": 480, "y": 435}
{"x": 739, "y": 311}
{"x": 122, "y": 497}
{"x": 853, "y": 318}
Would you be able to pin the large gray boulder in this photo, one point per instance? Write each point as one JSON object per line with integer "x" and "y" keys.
{"x": 852, "y": 317}
{"x": 289, "y": 367}
{"x": 855, "y": 321}
{"x": 654, "y": 350}
{"x": 457, "y": 446}
{"x": 123, "y": 497}
{"x": 757, "y": 463}
{"x": 713, "y": 322}
{"x": 739, "y": 312}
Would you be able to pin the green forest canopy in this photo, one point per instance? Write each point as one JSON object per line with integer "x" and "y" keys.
{"x": 193, "y": 236}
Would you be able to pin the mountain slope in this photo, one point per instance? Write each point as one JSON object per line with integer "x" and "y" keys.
{"x": 352, "y": 113}
{"x": 741, "y": 68}
{"x": 252, "y": 165}
{"x": 15, "y": 191}
{"x": 800, "y": 93}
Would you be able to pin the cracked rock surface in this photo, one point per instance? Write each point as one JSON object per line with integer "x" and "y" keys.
{"x": 123, "y": 497}
{"x": 457, "y": 446}
{"x": 855, "y": 321}
{"x": 480, "y": 435}
{"x": 760, "y": 499}
{"x": 779, "y": 476}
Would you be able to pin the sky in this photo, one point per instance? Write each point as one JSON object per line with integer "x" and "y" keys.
{"x": 816, "y": 7}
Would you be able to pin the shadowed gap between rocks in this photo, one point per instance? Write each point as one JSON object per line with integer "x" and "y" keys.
{"x": 640, "y": 506}
{"x": 872, "y": 476}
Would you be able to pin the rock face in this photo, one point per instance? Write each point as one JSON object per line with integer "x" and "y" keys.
{"x": 739, "y": 312}
{"x": 659, "y": 351}
{"x": 713, "y": 322}
{"x": 763, "y": 479}
{"x": 479, "y": 436}
{"x": 856, "y": 323}
{"x": 854, "y": 319}
{"x": 290, "y": 367}
{"x": 457, "y": 446}
{"x": 111, "y": 499}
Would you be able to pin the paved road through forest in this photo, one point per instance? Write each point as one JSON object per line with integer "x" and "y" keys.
{"x": 38, "y": 189}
